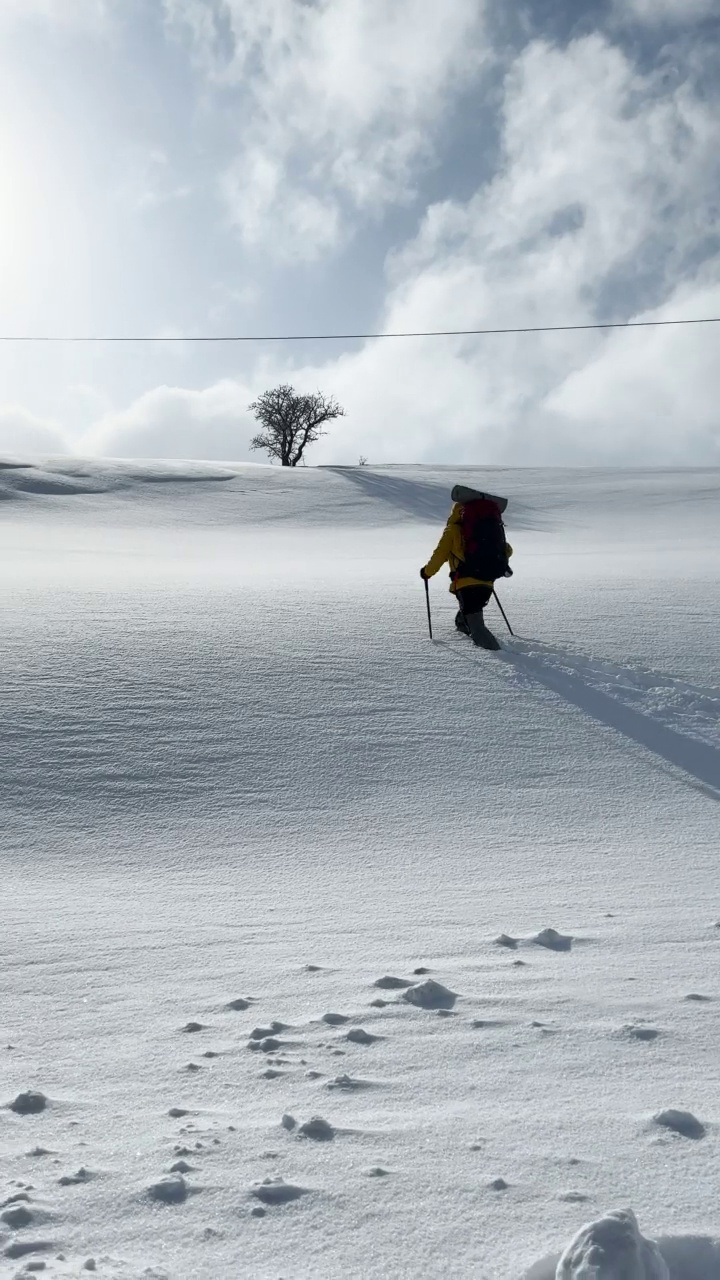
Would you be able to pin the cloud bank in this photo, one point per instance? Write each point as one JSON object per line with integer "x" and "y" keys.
{"x": 22, "y": 433}
{"x": 334, "y": 165}
{"x": 606, "y": 181}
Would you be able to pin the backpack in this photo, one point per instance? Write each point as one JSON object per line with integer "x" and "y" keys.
{"x": 484, "y": 542}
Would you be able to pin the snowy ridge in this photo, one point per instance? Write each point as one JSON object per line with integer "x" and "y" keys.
{"x": 326, "y": 951}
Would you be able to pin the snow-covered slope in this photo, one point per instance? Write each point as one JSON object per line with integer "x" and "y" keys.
{"x": 232, "y": 766}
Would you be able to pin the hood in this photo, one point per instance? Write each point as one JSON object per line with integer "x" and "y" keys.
{"x": 461, "y": 493}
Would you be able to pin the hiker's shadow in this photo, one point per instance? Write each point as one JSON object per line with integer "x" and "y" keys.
{"x": 581, "y": 680}
{"x": 428, "y": 500}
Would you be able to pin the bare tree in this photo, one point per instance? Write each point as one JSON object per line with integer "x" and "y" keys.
{"x": 290, "y": 422}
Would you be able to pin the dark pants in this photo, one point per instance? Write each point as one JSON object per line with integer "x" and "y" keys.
{"x": 471, "y": 600}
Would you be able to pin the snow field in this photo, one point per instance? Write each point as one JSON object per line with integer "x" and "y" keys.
{"x": 233, "y": 769}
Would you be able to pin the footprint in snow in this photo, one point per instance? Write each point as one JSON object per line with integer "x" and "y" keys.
{"x": 635, "y": 1032}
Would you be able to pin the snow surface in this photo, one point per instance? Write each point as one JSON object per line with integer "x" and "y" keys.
{"x": 235, "y": 772}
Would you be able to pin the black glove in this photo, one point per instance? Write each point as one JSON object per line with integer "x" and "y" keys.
{"x": 423, "y": 575}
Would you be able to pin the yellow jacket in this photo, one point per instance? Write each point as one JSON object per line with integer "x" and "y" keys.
{"x": 450, "y": 548}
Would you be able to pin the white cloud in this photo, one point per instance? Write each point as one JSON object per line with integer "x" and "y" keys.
{"x": 22, "y": 433}
{"x": 652, "y": 392}
{"x": 665, "y": 10}
{"x": 607, "y": 185}
{"x": 345, "y": 102}
{"x": 179, "y": 422}
{"x": 607, "y": 177}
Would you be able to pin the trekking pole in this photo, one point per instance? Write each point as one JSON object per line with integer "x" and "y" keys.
{"x": 427, "y": 601}
{"x": 507, "y": 624}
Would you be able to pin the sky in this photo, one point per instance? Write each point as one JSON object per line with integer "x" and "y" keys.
{"x": 179, "y": 168}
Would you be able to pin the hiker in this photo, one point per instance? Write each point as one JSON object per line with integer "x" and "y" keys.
{"x": 473, "y": 542}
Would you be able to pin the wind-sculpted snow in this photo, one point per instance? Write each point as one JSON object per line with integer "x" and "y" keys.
{"x": 612, "y": 1248}
{"x": 326, "y": 951}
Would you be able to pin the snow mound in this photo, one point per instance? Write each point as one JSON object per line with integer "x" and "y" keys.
{"x": 29, "y": 1103}
{"x": 552, "y": 940}
{"x": 172, "y": 1190}
{"x": 612, "y": 1248}
{"x": 505, "y": 940}
{"x": 430, "y": 995}
{"x": 318, "y": 1129}
{"x": 682, "y": 1122}
{"x": 277, "y": 1191}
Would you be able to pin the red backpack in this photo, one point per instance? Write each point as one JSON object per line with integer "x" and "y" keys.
{"x": 484, "y": 543}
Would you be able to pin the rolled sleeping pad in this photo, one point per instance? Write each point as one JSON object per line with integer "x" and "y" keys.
{"x": 461, "y": 493}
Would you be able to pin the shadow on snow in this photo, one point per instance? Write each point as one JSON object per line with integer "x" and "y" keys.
{"x": 427, "y": 500}
{"x": 669, "y": 729}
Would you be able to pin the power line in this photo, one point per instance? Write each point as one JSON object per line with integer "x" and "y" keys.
{"x": 366, "y": 337}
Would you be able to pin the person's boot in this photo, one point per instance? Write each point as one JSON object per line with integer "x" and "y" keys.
{"x": 461, "y": 624}
{"x": 483, "y": 638}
